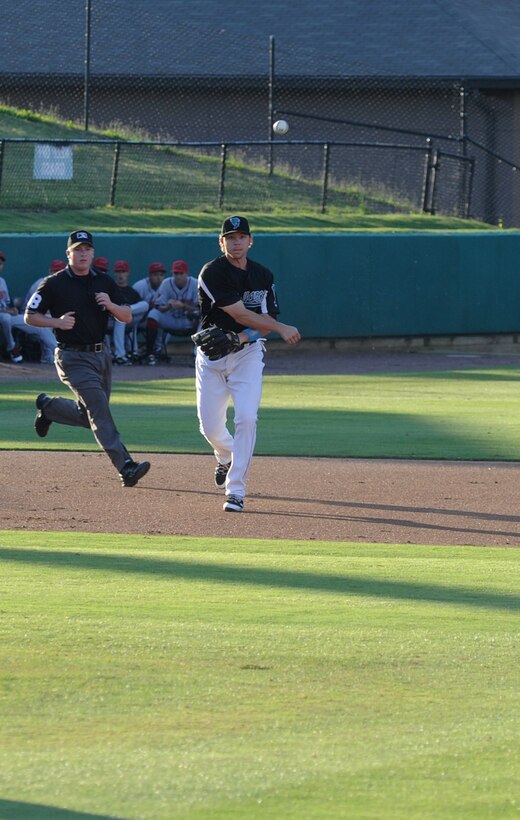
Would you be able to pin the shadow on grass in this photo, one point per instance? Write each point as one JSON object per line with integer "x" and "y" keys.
{"x": 506, "y": 373}
{"x": 284, "y": 432}
{"x": 144, "y": 413}
{"x": 283, "y": 579}
{"x": 15, "y": 810}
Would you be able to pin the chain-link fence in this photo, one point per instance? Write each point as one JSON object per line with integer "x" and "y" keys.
{"x": 189, "y": 109}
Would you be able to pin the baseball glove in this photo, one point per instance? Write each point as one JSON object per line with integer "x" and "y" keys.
{"x": 216, "y": 343}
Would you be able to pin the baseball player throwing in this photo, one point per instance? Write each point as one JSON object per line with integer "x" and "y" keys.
{"x": 238, "y": 306}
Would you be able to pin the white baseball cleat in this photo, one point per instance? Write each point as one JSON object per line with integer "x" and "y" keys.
{"x": 234, "y": 503}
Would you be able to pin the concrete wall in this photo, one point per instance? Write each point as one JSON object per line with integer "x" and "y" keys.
{"x": 338, "y": 285}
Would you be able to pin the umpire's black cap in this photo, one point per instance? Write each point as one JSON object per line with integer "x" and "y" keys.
{"x": 80, "y": 238}
{"x": 235, "y": 223}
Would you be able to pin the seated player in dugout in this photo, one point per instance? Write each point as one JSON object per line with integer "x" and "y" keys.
{"x": 148, "y": 289}
{"x": 101, "y": 264}
{"x": 138, "y": 306}
{"x": 176, "y": 307}
{"x": 12, "y": 321}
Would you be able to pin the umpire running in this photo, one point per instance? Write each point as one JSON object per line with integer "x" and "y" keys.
{"x": 77, "y": 302}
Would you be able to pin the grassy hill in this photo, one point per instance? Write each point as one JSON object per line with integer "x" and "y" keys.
{"x": 173, "y": 189}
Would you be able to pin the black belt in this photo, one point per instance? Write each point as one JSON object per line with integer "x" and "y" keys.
{"x": 97, "y": 348}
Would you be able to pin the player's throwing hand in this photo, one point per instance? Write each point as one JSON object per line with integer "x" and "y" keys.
{"x": 290, "y": 334}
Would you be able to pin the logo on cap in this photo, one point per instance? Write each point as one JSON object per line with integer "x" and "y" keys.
{"x": 80, "y": 237}
{"x": 235, "y": 223}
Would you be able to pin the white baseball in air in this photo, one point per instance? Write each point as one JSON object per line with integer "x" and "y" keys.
{"x": 281, "y": 127}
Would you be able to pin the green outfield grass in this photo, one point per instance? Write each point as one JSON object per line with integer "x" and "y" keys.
{"x": 454, "y": 414}
{"x": 126, "y": 220}
{"x": 158, "y": 677}
{"x": 151, "y": 178}
{"x": 153, "y": 677}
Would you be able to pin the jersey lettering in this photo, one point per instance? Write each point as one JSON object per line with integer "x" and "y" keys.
{"x": 253, "y": 298}
{"x": 34, "y": 302}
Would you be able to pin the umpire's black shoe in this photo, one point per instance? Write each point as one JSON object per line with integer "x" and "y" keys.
{"x": 41, "y": 422}
{"x": 133, "y": 471}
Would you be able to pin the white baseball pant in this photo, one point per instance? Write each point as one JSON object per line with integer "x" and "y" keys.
{"x": 139, "y": 311}
{"x": 237, "y": 378}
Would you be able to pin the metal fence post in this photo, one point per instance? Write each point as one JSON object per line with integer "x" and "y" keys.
{"x": 2, "y": 147}
{"x": 469, "y": 188}
{"x": 426, "y": 176}
{"x": 223, "y": 158}
{"x": 463, "y": 134}
{"x": 86, "y": 76}
{"x": 325, "y": 180}
{"x": 115, "y": 169}
{"x": 270, "y": 107}
{"x": 436, "y": 164}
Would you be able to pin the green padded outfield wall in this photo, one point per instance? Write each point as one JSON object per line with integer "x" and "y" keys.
{"x": 337, "y": 285}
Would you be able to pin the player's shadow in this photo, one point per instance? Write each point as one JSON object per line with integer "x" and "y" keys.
{"x": 17, "y": 810}
{"x": 412, "y": 524}
{"x": 365, "y": 505}
{"x": 359, "y": 505}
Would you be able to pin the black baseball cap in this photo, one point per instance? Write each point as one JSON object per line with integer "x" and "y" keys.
{"x": 80, "y": 238}
{"x": 235, "y": 223}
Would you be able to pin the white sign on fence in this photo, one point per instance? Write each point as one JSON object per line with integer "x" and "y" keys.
{"x": 52, "y": 162}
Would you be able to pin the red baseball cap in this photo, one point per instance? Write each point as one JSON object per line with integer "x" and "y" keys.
{"x": 57, "y": 264}
{"x": 157, "y": 267}
{"x": 102, "y": 263}
{"x": 2, "y": 256}
{"x": 121, "y": 266}
{"x": 179, "y": 266}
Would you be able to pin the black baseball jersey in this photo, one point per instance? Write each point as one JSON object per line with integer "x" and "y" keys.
{"x": 222, "y": 284}
{"x": 64, "y": 291}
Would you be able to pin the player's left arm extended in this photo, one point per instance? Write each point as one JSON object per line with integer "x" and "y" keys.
{"x": 261, "y": 321}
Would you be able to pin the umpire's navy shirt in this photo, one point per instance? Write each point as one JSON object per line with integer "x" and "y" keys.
{"x": 64, "y": 291}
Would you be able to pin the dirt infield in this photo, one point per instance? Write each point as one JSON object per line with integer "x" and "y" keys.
{"x": 381, "y": 501}
{"x": 324, "y": 499}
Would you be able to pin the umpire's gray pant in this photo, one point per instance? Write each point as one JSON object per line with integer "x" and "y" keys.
{"x": 89, "y": 376}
